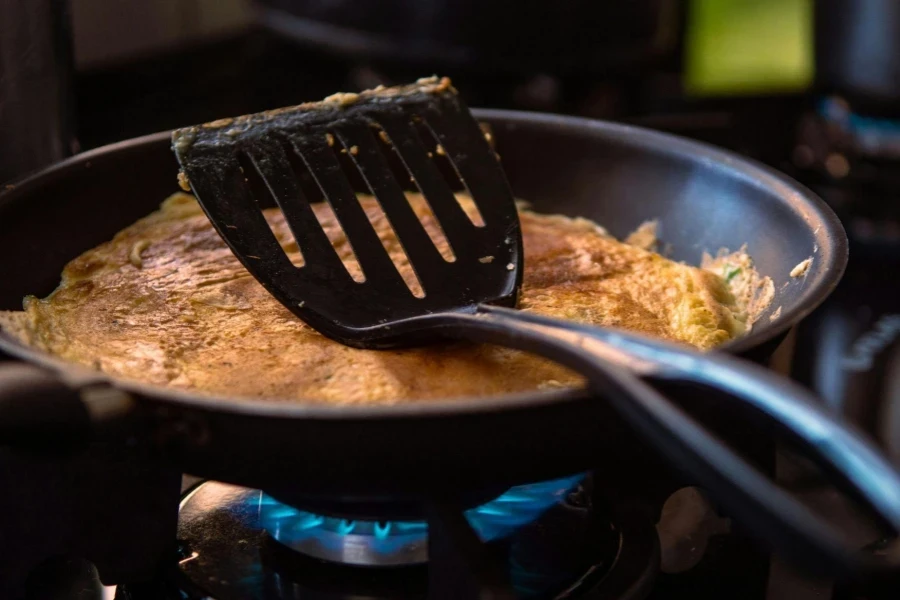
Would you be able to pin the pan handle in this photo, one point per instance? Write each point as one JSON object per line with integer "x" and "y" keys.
{"x": 41, "y": 413}
{"x": 768, "y": 511}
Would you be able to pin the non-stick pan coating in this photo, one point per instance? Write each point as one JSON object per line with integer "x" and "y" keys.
{"x": 617, "y": 175}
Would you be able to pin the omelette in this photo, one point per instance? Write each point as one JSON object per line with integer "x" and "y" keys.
{"x": 165, "y": 302}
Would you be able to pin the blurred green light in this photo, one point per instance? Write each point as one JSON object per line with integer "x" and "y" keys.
{"x": 748, "y": 47}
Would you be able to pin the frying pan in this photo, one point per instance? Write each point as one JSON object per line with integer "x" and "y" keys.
{"x": 467, "y": 450}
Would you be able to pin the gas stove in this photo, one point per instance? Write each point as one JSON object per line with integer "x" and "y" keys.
{"x": 124, "y": 521}
{"x": 588, "y": 535}
{"x": 543, "y": 540}
{"x": 106, "y": 524}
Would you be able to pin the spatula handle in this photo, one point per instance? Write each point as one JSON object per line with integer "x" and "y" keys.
{"x": 609, "y": 360}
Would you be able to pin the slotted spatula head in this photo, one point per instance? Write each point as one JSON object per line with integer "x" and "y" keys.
{"x": 289, "y": 149}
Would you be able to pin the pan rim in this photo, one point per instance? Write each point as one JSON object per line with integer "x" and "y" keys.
{"x": 831, "y": 239}
{"x": 825, "y": 276}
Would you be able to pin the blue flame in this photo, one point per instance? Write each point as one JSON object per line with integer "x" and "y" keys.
{"x": 518, "y": 506}
{"x": 491, "y": 521}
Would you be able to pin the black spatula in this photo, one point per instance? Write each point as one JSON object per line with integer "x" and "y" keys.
{"x": 285, "y": 146}
{"x": 289, "y": 150}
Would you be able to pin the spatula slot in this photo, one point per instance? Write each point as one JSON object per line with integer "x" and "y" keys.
{"x": 274, "y": 216}
{"x": 433, "y": 225}
{"x": 348, "y": 157}
{"x": 311, "y": 190}
{"x": 442, "y": 160}
{"x": 377, "y": 267}
{"x": 437, "y": 153}
{"x": 324, "y": 213}
{"x": 476, "y": 162}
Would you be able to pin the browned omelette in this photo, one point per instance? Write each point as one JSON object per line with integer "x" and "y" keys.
{"x": 165, "y": 302}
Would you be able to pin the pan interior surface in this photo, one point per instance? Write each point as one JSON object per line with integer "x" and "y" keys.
{"x": 618, "y": 176}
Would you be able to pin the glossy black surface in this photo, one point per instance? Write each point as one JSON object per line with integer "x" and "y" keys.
{"x": 295, "y": 157}
{"x": 618, "y": 175}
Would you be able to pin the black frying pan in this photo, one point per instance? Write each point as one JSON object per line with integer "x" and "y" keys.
{"x": 620, "y": 176}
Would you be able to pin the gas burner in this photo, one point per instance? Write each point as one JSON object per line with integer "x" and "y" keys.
{"x": 548, "y": 539}
{"x": 345, "y": 541}
{"x": 393, "y": 543}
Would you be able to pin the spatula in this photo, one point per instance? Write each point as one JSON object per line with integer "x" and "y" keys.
{"x": 289, "y": 152}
